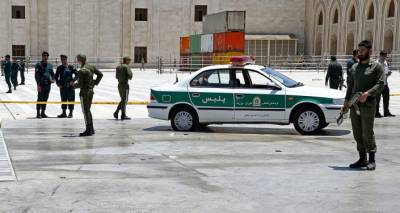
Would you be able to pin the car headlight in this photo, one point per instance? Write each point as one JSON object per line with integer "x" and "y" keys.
{"x": 338, "y": 101}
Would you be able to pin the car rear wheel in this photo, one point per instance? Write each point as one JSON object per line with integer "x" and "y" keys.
{"x": 184, "y": 119}
{"x": 308, "y": 121}
{"x": 325, "y": 125}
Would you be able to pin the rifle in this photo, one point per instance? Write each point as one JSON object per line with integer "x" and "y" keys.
{"x": 352, "y": 103}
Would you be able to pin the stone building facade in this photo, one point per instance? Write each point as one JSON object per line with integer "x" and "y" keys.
{"x": 334, "y": 27}
{"x": 109, "y": 29}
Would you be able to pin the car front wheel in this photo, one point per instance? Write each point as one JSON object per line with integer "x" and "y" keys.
{"x": 308, "y": 121}
{"x": 184, "y": 119}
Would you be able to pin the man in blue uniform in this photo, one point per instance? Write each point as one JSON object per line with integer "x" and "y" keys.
{"x": 21, "y": 69}
{"x": 7, "y": 72}
{"x": 351, "y": 62}
{"x": 65, "y": 78}
{"x": 14, "y": 72}
{"x": 44, "y": 76}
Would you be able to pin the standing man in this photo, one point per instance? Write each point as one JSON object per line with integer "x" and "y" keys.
{"x": 14, "y": 72}
{"x": 366, "y": 77}
{"x": 386, "y": 92}
{"x": 65, "y": 78}
{"x": 142, "y": 62}
{"x": 22, "y": 70}
{"x": 351, "y": 62}
{"x": 86, "y": 83}
{"x": 334, "y": 74}
{"x": 3, "y": 63}
{"x": 123, "y": 74}
{"x": 7, "y": 72}
{"x": 44, "y": 76}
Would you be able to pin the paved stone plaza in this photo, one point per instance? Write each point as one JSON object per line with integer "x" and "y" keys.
{"x": 142, "y": 166}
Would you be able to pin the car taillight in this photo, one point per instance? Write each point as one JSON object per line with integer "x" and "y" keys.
{"x": 152, "y": 98}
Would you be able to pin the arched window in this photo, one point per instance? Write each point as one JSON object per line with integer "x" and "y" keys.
{"x": 320, "y": 19}
{"x": 392, "y": 9}
{"x": 352, "y": 14}
{"x": 371, "y": 12}
{"x": 336, "y": 17}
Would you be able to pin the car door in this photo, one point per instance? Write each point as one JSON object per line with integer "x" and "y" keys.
{"x": 211, "y": 92}
{"x": 258, "y": 98}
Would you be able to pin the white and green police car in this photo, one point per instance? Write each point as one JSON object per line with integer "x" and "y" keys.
{"x": 244, "y": 93}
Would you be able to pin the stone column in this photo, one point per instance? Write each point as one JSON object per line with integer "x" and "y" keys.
{"x": 126, "y": 28}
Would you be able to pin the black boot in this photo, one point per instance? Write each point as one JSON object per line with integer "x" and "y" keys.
{"x": 9, "y": 91}
{"x": 124, "y": 117}
{"x": 362, "y": 162}
{"x": 371, "y": 164}
{"x": 38, "y": 108}
{"x": 43, "y": 114}
{"x": 92, "y": 129}
{"x": 63, "y": 114}
{"x": 71, "y": 113}
{"x": 87, "y": 132}
{"x": 117, "y": 112}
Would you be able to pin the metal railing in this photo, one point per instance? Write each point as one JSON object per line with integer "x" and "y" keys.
{"x": 194, "y": 63}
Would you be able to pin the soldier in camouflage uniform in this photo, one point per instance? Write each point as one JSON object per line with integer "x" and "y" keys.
{"x": 86, "y": 83}
{"x": 123, "y": 74}
{"x": 366, "y": 77}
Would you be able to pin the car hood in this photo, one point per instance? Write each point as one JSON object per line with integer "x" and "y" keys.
{"x": 315, "y": 92}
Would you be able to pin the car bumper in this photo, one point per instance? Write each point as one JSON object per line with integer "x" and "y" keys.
{"x": 331, "y": 112}
{"x": 158, "y": 111}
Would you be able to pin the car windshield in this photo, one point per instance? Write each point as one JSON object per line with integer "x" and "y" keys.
{"x": 288, "y": 82}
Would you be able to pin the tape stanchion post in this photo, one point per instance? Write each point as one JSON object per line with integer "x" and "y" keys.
{"x": 75, "y": 103}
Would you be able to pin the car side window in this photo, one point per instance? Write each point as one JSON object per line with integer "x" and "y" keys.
{"x": 241, "y": 81}
{"x": 259, "y": 81}
{"x": 212, "y": 79}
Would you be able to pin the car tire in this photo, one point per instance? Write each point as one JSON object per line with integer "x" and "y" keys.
{"x": 308, "y": 121}
{"x": 184, "y": 119}
{"x": 325, "y": 125}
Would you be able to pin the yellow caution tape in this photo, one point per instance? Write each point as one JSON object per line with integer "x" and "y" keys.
{"x": 395, "y": 94}
{"x": 75, "y": 103}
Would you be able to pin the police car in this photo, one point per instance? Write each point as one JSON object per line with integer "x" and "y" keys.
{"x": 243, "y": 92}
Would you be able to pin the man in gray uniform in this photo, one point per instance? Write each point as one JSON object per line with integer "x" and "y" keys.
{"x": 386, "y": 91}
{"x": 366, "y": 77}
{"x": 3, "y": 65}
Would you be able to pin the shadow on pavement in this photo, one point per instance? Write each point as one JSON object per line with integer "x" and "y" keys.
{"x": 255, "y": 131}
{"x": 345, "y": 169}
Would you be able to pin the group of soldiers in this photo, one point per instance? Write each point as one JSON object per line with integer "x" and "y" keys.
{"x": 10, "y": 70}
{"x": 335, "y": 79}
{"x": 68, "y": 78}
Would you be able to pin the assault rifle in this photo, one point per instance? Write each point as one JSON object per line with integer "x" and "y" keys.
{"x": 352, "y": 103}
